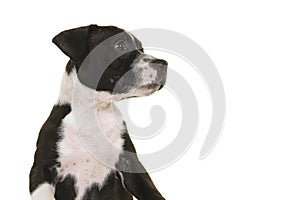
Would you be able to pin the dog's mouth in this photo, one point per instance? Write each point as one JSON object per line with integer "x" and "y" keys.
{"x": 151, "y": 86}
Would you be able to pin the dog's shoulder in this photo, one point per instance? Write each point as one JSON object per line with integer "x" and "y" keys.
{"x": 46, "y": 153}
{"x": 49, "y": 136}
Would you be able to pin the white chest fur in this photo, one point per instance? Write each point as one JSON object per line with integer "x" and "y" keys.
{"x": 91, "y": 134}
{"x": 90, "y": 146}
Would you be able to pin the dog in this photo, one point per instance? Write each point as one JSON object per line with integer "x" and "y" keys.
{"x": 84, "y": 151}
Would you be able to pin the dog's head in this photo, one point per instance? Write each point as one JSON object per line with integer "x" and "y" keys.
{"x": 107, "y": 58}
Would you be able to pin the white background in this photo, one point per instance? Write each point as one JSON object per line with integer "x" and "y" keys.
{"x": 255, "y": 46}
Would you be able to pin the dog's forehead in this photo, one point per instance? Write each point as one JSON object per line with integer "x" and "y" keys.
{"x": 112, "y": 33}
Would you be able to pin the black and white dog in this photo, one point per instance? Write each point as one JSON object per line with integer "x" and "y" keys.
{"x": 84, "y": 151}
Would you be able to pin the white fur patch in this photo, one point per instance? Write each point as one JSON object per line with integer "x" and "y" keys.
{"x": 44, "y": 192}
{"x": 92, "y": 140}
{"x": 66, "y": 88}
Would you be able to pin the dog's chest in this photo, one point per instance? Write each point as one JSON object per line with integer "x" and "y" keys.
{"x": 89, "y": 148}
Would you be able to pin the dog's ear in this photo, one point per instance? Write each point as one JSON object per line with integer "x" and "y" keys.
{"x": 74, "y": 42}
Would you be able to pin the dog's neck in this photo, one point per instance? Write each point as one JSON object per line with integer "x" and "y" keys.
{"x": 94, "y": 116}
{"x": 73, "y": 91}
{"x": 87, "y": 104}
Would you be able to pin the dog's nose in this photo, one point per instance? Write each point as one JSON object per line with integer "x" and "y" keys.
{"x": 159, "y": 62}
{"x": 160, "y": 66}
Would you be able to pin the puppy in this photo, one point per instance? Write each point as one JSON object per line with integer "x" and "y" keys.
{"x": 83, "y": 150}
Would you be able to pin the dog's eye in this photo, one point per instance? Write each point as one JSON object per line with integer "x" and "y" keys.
{"x": 120, "y": 45}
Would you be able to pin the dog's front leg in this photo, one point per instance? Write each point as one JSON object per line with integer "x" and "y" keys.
{"x": 139, "y": 184}
{"x": 44, "y": 191}
{"x": 40, "y": 184}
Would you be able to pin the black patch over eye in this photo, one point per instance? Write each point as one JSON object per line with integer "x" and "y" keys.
{"x": 120, "y": 45}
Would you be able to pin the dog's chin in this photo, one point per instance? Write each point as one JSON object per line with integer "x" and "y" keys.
{"x": 145, "y": 90}
{"x": 140, "y": 91}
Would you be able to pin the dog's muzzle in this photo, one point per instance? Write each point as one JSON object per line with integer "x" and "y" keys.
{"x": 161, "y": 68}
{"x": 146, "y": 75}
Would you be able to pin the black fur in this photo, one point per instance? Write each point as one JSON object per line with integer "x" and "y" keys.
{"x": 65, "y": 188}
{"x": 45, "y": 157}
{"x": 138, "y": 184}
{"x": 112, "y": 189}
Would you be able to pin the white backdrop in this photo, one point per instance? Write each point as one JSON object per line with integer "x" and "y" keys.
{"x": 255, "y": 46}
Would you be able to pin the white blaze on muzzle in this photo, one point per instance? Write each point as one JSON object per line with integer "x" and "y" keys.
{"x": 144, "y": 72}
